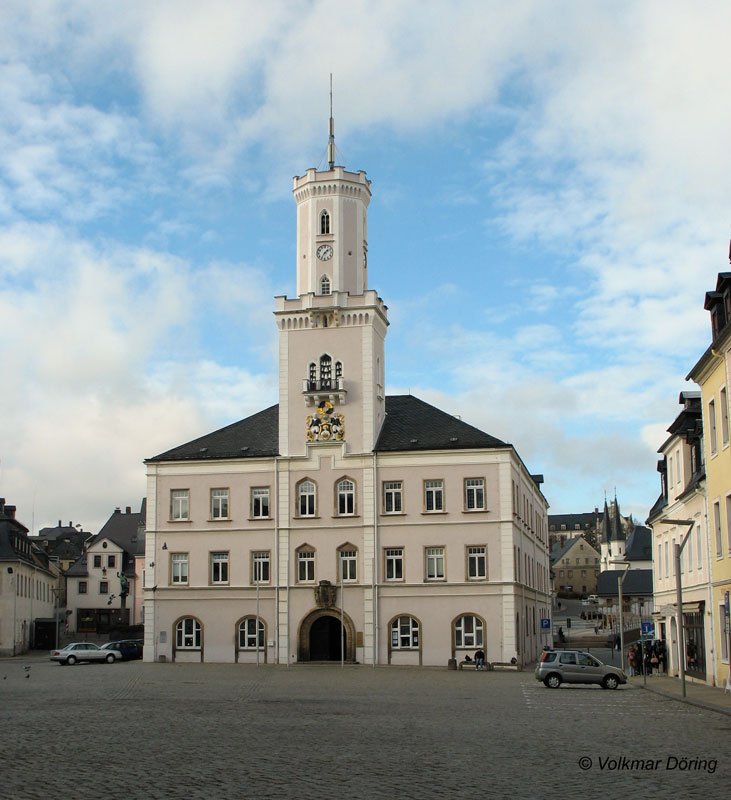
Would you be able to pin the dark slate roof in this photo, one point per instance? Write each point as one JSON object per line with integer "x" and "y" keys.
{"x": 637, "y": 582}
{"x": 411, "y": 424}
{"x": 585, "y": 520}
{"x": 639, "y": 544}
{"x": 254, "y": 437}
{"x": 15, "y": 544}
{"x": 660, "y": 503}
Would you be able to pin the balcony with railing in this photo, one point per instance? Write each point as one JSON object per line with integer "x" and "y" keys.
{"x": 332, "y": 389}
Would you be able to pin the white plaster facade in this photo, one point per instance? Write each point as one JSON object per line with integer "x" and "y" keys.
{"x": 408, "y": 544}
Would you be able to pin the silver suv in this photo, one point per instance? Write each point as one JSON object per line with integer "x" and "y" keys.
{"x": 574, "y": 666}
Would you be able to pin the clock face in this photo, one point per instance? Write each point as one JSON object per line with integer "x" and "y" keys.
{"x": 324, "y": 252}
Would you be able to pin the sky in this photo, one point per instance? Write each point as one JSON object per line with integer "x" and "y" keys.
{"x": 550, "y": 205}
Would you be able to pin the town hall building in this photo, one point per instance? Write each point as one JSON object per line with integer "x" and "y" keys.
{"x": 341, "y": 523}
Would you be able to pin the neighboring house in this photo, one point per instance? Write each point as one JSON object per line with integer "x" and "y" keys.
{"x": 29, "y": 586}
{"x": 341, "y": 522}
{"x": 636, "y": 596}
{"x": 103, "y": 586}
{"x": 63, "y": 544}
{"x": 713, "y": 374}
{"x": 562, "y": 527}
{"x": 683, "y": 497}
{"x": 574, "y": 568}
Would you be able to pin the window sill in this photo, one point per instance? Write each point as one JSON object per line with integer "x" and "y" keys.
{"x": 346, "y": 516}
{"x": 220, "y": 519}
{"x": 432, "y": 513}
{"x": 218, "y": 585}
{"x": 265, "y": 519}
{"x": 393, "y": 513}
{"x": 476, "y": 511}
{"x": 177, "y": 521}
{"x": 296, "y": 516}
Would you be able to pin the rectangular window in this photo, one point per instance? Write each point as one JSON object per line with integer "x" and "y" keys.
{"x": 392, "y": 497}
{"x": 306, "y": 494}
{"x": 260, "y": 502}
{"x": 346, "y": 498}
{"x": 103, "y": 587}
{"x": 219, "y": 503}
{"x": 219, "y": 567}
{"x": 717, "y": 528}
{"x": 435, "y": 563}
{"x": 688, "y": 553}
{"x": 97, "y": 561}
{"x": 348, "y": 565}
{"x": 724, "y": 417}
{"x": 476, "y": 563}
{"x": 306, "y": 565}
{"x": 179, "y": 504}
{"x": 82, "y": 587}
{"x": 179, "y": 568}
{"x": 474, "y": 494}
{"x": 434, "y": 495}
{"x": 260, "y": 563}
{"x": 395, "y": 564}
{"x": 712, "y": 426}
{"x": 699, "y": 548}
{"x": 723, "y": 622}
{"x": 111, "y": 561}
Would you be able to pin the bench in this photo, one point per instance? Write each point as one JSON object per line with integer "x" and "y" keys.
{"x": 506, "y": 665}
{"x": 472, "y": 665}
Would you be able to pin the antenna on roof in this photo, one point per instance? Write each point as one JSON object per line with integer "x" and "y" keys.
{"x": 331, "y": 138}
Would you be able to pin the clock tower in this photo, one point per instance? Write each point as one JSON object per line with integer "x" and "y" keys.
{"x": 331, "y": 336}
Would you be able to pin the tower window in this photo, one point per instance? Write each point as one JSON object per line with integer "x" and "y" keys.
{"x": 338, "y": 369}
{"x": 324, "y": 222}
{"x": 324, "y": 285}
{"x": 325, "y": 372}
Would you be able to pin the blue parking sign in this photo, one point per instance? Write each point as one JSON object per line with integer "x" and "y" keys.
{"x": 647, "y": 628}
{"x": 545, "y": 624}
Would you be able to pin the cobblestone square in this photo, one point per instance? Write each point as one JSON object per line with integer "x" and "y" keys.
{"x": 134, "y": 730}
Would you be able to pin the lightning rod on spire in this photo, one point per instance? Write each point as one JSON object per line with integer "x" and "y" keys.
{"x": 331, "y": 139}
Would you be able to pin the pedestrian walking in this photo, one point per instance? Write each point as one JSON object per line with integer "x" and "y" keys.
{"x": 631, "y": 656}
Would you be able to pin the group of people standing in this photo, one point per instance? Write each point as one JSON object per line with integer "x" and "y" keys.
{"x": 649, "y": 658}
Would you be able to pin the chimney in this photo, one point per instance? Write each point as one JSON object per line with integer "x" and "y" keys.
{"x": 128, "y": 510}
{"x": 2, "y": 504}
{"x": 71, "y": 524}
{"x": 117, "y": 510}
{"x": 10, "y": 511}
{"x": 59, "y": 524}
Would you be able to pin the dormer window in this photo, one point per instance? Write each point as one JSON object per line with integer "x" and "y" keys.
{"x": 324, "y": 285}
{"x": 324, "y": 222}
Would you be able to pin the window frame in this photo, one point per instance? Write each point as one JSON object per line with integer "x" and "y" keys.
{"x": 433, "y": 489}
{"x": 433, "y": 556}
{"x": 83, "y": 587}
{"x": 478, "y": 489}
{"x": 712, "y": 429}
{"x": 225, "y": 496}
{"x": 195, "y": 634}
{"x": 393, "y": 556}
{"x": 301, "y": 495}
{"x": 306, "y": 556}
{"x": 104, "y": 587}
{"x": 179, "y": 505}
{"x": 392, "y": 490}
{"x": 479, "y": 555}
{"x": 345, "y": 505}
{"x": 97, "y": 561}
{"x": 408, "y": 638}
{"x": 250, "y": 637}
{"x": 222, "y": 558}
{"x": 259, "y": 559}
{"x": 477, "y": 633}
{"x": 348, "y": 555}
{"x": 176, "y": 561}
{"x": 264, "y": 492}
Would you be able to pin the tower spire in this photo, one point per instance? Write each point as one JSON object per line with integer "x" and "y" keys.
{"x": 331, "y": 138}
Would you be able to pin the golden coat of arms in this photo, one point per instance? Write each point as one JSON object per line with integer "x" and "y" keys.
{"x": 325, "y": 425}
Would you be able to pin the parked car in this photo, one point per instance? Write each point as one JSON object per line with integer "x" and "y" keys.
{"x": 84, "y": 651}
{"x": 575, "y": 666}
{"x": 129, "y": 648}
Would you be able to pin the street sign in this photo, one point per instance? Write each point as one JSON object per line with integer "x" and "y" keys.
{"x": 546, "y": 624}
{"x": 648, "y": 628}
{"x": 726, "y": 602}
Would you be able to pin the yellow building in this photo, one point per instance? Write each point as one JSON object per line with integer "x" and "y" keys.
{"x": 711, "y": 373}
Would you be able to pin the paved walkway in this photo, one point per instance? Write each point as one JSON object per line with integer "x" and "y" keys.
{"x": 711, "y": 698}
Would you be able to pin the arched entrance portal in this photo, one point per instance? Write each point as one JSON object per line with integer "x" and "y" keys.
{"x": 320, "y": 637}
{"x": 326, "y": 641}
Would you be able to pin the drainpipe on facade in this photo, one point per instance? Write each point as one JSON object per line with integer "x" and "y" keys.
{"x": 375, "y": 560}
{"x": 709, "y": 583}
{"x": 276, "y": 561}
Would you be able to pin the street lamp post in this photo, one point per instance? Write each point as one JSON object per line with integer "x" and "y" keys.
{"x": 620, "y": 584}
{"x": 677, "y": 552}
